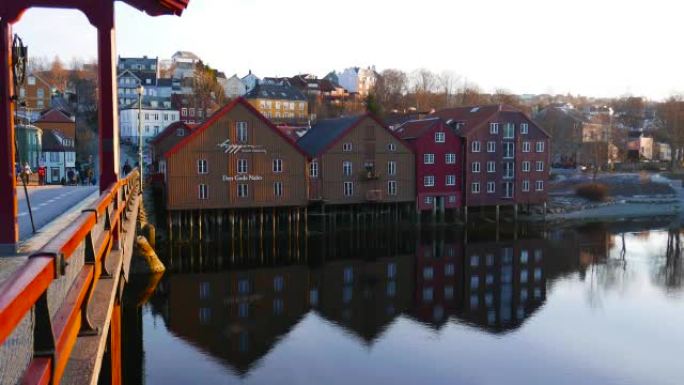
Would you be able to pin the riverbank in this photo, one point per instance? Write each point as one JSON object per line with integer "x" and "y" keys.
{"x": 632, "y": 196}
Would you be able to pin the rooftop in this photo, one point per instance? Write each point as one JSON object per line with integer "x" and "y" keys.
{"x": 325, "y": 132}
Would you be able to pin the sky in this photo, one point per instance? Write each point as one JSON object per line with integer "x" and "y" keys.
{"x": 601, "y": 48}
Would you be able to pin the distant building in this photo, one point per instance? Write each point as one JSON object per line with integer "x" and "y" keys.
{"x": 233, "y": 87}
{"x": 662, "y": 152}
{"x": 128, "y": 82}
{"x": 154, "y": 120}
{"x": 29, "y": 145}
{"x": 640, "y": 148}
{"x": 36, "y": 93}
{"x": 184, "y": 64}
{"x": 358, "y": 80}
{"x": 169, "y": 137}
{"x": 139, "y": 65}
{"x": 59, "y": 120}
{"x": 192, "y": 108}
{"x": 58, "y": 155}
{"x": 281, "y": 103}
{"x": 357, "y": 159}
{"x": 250, "y": 81}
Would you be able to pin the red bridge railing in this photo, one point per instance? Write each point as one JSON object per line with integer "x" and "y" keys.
{"x": 27, "y": 288}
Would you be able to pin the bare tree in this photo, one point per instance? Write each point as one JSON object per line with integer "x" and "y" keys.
{"x": 448, "y": 83}
{"x": 390, "y": 89}
{"x": 424, "y": 82}
{"x": 57, "y": 74}
{"x": 38, "y": 64}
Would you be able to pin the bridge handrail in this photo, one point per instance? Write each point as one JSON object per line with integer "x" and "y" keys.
{"x": 27, "y": 287}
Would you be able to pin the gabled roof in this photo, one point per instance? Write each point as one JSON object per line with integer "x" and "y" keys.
{"x": 275, "y": 91}
{"x": 473, "y": 117}
{"x": 325, "y": 132}
{"x": 54, "y": 115}
{"x": 223, "y": 111}
{"x": 53, "y": 141}
{"x": 170, "y": 129}
{"x": 415, "y": 128}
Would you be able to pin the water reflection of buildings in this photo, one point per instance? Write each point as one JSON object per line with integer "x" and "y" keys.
{"x": 239, "y": 315}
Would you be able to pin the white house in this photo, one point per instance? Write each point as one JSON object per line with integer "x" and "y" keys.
{"x": 250, "y": 81}
{"x": 359, "y": 80}
{"x": 233, "y": 87}
{"x": 154, "y": 120}
{"x": 58, "y": 156}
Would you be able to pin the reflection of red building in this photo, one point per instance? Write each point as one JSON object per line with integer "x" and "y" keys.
{"x": 438, "y": 162}
{"x": 504, "y": 283}
{"x": 439, "y": 281}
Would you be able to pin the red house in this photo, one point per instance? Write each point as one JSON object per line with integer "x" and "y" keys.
{"x": 505, "y": 157}
{"x": 438, "y": 163}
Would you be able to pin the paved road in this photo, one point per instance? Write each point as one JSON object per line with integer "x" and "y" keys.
{"x": 47, "y": 203}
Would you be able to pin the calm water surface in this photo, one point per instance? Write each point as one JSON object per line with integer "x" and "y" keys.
{"x": 589, "y": 305}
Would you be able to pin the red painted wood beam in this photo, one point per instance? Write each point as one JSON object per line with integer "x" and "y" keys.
{"x": 9, "y": 230}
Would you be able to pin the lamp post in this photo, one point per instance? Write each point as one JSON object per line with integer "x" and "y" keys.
{"x": 140, "y": 91}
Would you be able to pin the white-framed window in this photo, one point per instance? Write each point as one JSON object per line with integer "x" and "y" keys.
{"x": 508, "y": 189}
{"x": 348, "y": 189}
{"x": 241, "y": 128}
{"x": 391, "y": 167}
{"x": 508, "y": 170}
{"x": 450, "y": 158}
{"x": 491, "y": 166}
{"x": 491, "y": 187}
{"x": 429, "y": 180}
{"x": 523, "y": 128}
{"x": 391, "y": 187}
{"x": 526, "y": 166}
{"x": 313, "y": 169}
{"x": 180, "y": 132}
{"x": 428, "y": 200}
{"x": 243, "y": 190}
{"x": 346, "y": 147}
{"x": 475, "y": 146}
{"x": 202, "y": 166}
{"x": 450, "y": 180}
{"x": 540, "y": 165}
{"x": 452, "y": 198}
{"x": 526, "y": 146}
{"x": 539, "y": 185}
{"x": 508, "y": 150}
{"x": 202, "y": 191}
{"x": 493, "y": 128}
{"x": 475, "y": 167}
{"x": 347, "y": 168}
{"x": 242, "y": 166}
{"x": 192, "y": 112}
{"x": 526, "y": 185}
{"x": 491, "y": 146}
{"x": 509, "y": 131}
{"x": 428, "y": 158}
{"x": 184, "y": 111}
{"x": 540, "y": 146}
{"x": 392, "y": 147}
{"x": 475, "y": 187}
{"x": 277, "y": 165}
{"x": 440, "y": 137}
{"x": 278, "y": 189}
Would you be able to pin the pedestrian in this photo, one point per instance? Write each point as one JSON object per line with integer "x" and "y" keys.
{"x": 41, "y": 175}
{"x": 91, "y": 176}
{"x": 126, "y": 168}
{"x": 77, "y": 179}
{"x": 26, "y": 173}
{"x": 70, "y": 176}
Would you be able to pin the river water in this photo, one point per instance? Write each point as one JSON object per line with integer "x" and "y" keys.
{"x": 599, "y": 304}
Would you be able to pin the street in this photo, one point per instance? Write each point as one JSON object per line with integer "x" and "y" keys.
{"x": 47, "y": 203}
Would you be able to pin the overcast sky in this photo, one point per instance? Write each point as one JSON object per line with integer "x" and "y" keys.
{"x": 589, "y": 47}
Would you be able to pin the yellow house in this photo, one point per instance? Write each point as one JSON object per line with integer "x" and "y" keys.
{"x": 281, "y": 103}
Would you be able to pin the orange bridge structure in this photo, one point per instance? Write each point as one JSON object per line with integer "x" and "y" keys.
{"x": 64, "y": 301}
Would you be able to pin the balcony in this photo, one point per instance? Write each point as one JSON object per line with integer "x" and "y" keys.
{"x": 374, "y": 195}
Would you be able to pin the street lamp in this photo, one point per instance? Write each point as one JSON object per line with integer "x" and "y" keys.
{"x": 140, "y": 91}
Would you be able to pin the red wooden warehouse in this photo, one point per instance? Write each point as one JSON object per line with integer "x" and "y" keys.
{"x": 438, "y": 163}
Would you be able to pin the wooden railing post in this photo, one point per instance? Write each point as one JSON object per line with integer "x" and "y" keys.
{"x": 9, "y": 230}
